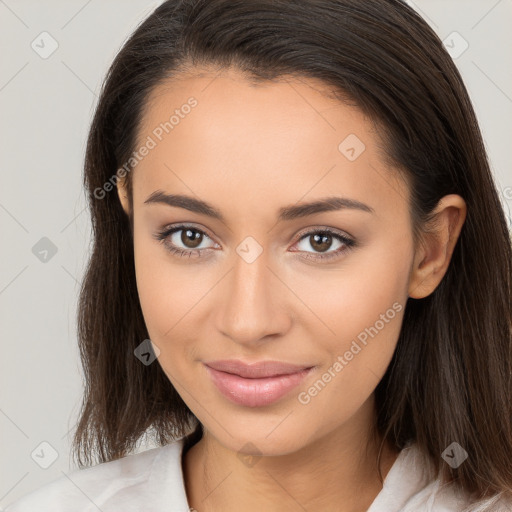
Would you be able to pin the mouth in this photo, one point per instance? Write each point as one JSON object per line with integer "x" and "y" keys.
{"x": 257, "y": 384}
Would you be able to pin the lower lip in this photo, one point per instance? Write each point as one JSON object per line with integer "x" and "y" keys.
{"x": 255, "y": 392}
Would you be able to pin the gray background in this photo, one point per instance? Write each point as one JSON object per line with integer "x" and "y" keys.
{"x": 46, "y": 106}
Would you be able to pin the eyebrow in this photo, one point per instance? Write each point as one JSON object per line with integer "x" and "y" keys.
{"x": 285, "y": 213}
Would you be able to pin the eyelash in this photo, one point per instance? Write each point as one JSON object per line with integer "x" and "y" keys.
{"x": 162, "y": 236}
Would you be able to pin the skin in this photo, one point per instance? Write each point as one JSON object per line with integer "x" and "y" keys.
{"x": 250, "y": 150}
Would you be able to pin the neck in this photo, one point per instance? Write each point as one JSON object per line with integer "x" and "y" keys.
{"x": 336, "y": 472}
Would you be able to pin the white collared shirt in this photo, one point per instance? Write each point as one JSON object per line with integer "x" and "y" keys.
{"x": 152, "y": 481}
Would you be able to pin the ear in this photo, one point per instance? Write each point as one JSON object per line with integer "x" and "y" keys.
{"x": 434, "y": 252}
{"x": 122, "y": 193}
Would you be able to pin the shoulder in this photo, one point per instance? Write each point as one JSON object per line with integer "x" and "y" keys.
{"x": 412, "y": 486}
{"x": 130, "y": 481}
{"x": 436, "y": 496}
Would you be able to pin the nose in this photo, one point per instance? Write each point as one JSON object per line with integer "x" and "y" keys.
{"x": 252, "y": 302}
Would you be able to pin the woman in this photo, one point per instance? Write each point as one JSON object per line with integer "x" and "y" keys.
{"x": 301, "y": 277}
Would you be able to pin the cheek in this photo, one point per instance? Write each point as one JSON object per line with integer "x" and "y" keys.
{"x": 154, "y": 294}
{"x": 172, "y": 302}
{"x": 352, "y": 297}
{"x": 361, "y": 307}
{"x": 164, "y": 292}
{"x": 357, "y": 356}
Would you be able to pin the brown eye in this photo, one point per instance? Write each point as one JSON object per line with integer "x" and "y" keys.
{"x": 191, "y": 238}
{"x": 186, "y": 243}
{"x": 321, "y": 240}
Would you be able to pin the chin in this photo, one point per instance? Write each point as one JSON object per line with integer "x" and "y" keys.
{"x": 271, "y": 437}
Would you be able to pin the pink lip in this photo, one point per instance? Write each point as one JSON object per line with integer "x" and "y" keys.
{"x": 257, "y": 384}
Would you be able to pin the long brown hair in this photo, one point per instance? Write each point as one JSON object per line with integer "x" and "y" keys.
{"x": 450, "y": 377}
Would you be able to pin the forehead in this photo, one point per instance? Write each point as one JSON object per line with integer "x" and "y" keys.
{"x": 277, "y": 140}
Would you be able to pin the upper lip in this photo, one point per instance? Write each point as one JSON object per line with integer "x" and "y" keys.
{"x": 257, "y": 370}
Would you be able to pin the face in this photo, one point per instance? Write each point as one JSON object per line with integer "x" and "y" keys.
{"x": 323, "y": 289}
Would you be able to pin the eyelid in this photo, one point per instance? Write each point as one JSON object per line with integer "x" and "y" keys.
{"x": 326, "y": 229}
{"x": 344, "y": 238}
{"x": 187, "y": 225}
{"x": 306, "y": 231}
